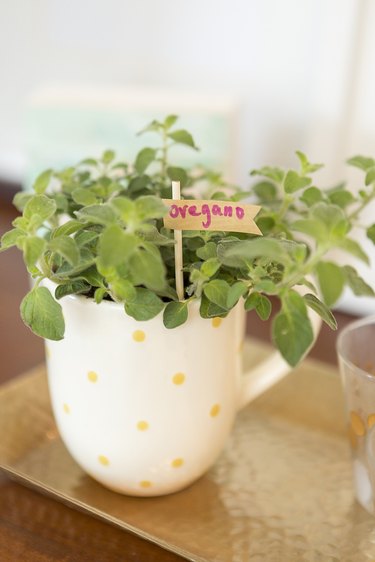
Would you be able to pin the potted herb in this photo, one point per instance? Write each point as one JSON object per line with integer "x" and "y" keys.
{"x": 142, "y": 382}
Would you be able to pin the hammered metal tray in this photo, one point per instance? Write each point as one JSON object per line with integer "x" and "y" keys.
{"x": 281, "y": 490}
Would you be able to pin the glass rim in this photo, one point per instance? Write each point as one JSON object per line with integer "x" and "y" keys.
{"x": 340, "y": 348}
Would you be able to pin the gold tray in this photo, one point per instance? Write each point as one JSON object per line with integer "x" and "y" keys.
{"x": 281, "y": 490}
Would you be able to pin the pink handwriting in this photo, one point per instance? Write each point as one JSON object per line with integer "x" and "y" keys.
{"x": 206, "y": 210}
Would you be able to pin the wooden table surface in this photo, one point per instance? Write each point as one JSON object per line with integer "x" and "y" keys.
{"x": 35, "y": 528}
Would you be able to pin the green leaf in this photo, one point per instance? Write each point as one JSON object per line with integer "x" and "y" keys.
{"x": 306, "y": 166}
{"x": 93, "y": 277}
{"x": 66, "y": 270}
{"x": 263, "y": 307}
{"x": 361, "y": 162}
{"x": 33, "y": 248}
{"x": 20, "y": 199}
{"x": 10, "y": 238}
{"x": 145, "y": 305}
{"x": 356, "y": 283}
{"x": 169, "y": 121}
{"x": 150, "y": 207}
{"x": 89, "y": 162}
{"x": 235, "y": 293}
{"x": 207, "y": 251}
{"x": 42, "y": 181}
{"x": 332, "y": 219}
{"x": 352, "y": 247}
{"x": 97, "y": 214}
{"x": 220, "y": 195}
{"x": 66, "y": 247}
{"x": 217, "y": 291}
{"x": 310, "y": 227}
{"x": 147, "y": 269}
{"x": 86, "y": 237}
{"x": 144, "y": 159}
{"x": 370, "y": 176}
{"x": 139, "y": 183}
{"x": 210, "y": 267}
{"x": 115, "y": 247}
{"x": 182, "y": 137}
{"x": 125, "y": 208}
{"x": 122, "y": 289}
{"x": 150, "y": 233}
{"x": 275, "y": 174}
{"x": 320, "y": 308}
{"x": 311, "y": 195}
{"x": 69, "y": 227}
{"x": 39, "y": 205}
{"x": 62, "y": 204}
{"x": 267, "y": 286}
{"x": 342, "y": 198}
{"x": 331, "y": 279}
{"x": 291, "y": 330}
{"x": 208, "y": 309}
{"x": 237, "y": 253}
{"x": 175, "y": 314}
{"x": 108, "y": 156}
{"x": 83, "y": 196}
{"x": 370, "y": 232}
{"x": 21, "y": 224}
{"x": 153, "y": 126}
{"x": 177, "y": 174}
{"x": 266, "y": 191}
{"x": 42, "y": 314}
{"x": 260, "y": 303}
{"x": 293, "y": 182}
{"x": 74, "y": 288}
{"x": 265, "y": 224}
{"x": 252, "y": 301}
{"x": 99, "y": 295}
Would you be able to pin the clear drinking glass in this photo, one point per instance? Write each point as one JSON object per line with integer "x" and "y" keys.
{"x": 356, "y": 353}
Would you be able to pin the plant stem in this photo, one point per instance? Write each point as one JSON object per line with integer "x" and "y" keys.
{"x": 284, "y": 206}
{"x": 364, "y": 204}
{"x": 306, "y": 268}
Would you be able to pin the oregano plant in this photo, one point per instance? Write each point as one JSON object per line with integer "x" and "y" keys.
{"x": 96, "y": 229}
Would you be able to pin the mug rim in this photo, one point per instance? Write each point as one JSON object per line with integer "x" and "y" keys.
{"x": 354, "y": 325}
{"x": 48, "y": 283}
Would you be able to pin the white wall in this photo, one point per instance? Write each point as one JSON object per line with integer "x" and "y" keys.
{"x": 286, "y": 61}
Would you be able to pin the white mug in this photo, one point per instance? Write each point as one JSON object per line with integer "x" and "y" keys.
{"x": 143, "y": 409}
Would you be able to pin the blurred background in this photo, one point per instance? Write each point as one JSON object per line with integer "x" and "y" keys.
{"x": 301, "y": 73}
{"x": 253, "y": 79}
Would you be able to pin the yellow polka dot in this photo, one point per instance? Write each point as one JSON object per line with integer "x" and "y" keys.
{"x": 66, "y": 408}
{"x": 103, "y": 460}
{"x": 48, "y": 352}
{"x": 357, "y": 424}
{"x": 216, "y": 322}
{"x": 176, "y": 463}
{"x": 178, "y": 378}
{"x": 92, "y": 376}
{"x": 370, "y": 420}
{"x": 139, "y": 336}
{"x": 142, "y": 425}
{"x": 145, "y": 484}
{"x": 215, "y": 410}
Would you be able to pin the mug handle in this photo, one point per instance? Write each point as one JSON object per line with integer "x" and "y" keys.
{"x": 270, "y": 371}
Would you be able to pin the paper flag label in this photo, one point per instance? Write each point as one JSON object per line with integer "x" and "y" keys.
{"x": 202, "y": 214}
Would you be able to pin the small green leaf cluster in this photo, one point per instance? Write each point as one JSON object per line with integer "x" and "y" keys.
{"x": 96, "y": 229}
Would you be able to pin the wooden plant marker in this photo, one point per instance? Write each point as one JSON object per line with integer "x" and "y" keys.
{"x": 205, "y": 214}
{"x": 178, "y": 260}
